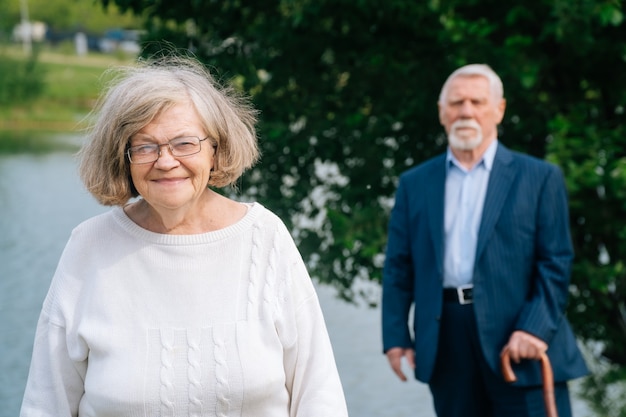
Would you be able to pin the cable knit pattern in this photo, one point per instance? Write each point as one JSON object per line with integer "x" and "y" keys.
{"x": 224, "y": 323}
{"x": 194, "y": 373}
{"x": 271, "y": 276}
{"x": 221, "y": 375}
{"x": 254, "y": 272}
{"x": 167, "y": 374}
{"x": 268, "y": 285}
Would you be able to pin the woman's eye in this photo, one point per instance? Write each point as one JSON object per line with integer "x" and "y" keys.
{"x": 143, "y": 149}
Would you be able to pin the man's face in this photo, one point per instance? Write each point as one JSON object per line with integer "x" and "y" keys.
{"x": 470, "y": 114}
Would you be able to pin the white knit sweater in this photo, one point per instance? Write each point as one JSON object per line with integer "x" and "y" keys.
{"x": 225, "y": 323}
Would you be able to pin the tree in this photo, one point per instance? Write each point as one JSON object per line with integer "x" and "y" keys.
{"x": 347, "y": 91}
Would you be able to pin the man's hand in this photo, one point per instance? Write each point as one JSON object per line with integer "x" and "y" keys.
{"x": 523, "y": 345}
{"x": 395, "y": 355}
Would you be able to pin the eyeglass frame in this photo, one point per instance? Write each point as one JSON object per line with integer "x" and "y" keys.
{"x": 169, "y": 145}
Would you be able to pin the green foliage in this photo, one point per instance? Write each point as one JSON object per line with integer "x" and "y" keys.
{"x": 604, "y": 390}
{"x": 20, "y": 80}
{"x": 348, "y": 90}
{"x": 71, "y": 85}
{"x": 12, "y": 142}
{"x": 591, "y": 150}
{"x": 67, "y": 15}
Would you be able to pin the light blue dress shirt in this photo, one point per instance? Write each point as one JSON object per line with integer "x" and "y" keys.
{"x": 464, "y": 201}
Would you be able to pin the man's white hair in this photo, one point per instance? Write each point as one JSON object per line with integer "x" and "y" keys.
{"x": 472, "y": 70}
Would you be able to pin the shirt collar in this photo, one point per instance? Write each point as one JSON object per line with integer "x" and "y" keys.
{"x": 486, "y": 160}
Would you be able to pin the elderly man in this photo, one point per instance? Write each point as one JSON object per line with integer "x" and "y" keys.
{"x": 479, "y": 244}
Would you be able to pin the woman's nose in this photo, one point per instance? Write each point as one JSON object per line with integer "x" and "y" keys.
{"x": 166, "y": 157}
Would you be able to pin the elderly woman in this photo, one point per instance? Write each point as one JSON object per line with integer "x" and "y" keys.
{"x": 178, "y": 301}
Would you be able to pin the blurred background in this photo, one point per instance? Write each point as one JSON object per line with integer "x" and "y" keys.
{"x": 347, "y": 91}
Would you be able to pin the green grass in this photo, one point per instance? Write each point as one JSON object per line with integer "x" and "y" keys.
{"x": 72, "y": 85}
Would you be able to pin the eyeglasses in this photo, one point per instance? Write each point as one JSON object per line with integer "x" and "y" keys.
{"x": 150, "y": 152}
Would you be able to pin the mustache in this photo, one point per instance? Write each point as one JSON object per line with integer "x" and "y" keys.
{"x": 460, "y": 124}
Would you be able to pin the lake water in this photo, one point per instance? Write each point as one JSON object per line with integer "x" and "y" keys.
{"x": 41, "y": 200}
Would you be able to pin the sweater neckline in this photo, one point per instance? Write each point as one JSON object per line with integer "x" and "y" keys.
{"x": 254, "y": 211}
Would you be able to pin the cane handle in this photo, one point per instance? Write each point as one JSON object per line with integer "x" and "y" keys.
{"x": 546, "y": 375}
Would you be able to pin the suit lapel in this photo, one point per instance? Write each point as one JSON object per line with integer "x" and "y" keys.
{"x": 436, "y": 192}
{"x": 500, "y": 181}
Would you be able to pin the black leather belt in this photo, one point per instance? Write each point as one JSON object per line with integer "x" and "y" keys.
{"x": 461, "y": 295}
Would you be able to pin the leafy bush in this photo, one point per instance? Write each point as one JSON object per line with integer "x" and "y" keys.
{"x": 604, "y": 388}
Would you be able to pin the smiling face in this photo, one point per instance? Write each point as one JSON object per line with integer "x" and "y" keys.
{"x": 172, "y": 183}
{"x": 470, "y": 113}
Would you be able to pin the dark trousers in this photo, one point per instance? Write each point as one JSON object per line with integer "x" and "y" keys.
{"x": 463, "y": 385}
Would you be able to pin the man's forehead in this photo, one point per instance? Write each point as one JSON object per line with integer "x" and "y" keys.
{"x": 470, "y": 86}
{"x": 473, "y": 80}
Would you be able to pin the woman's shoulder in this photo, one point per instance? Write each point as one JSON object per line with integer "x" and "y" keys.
{"x": 268, "y": 226}
{"x": 101, "y": 221}
{"x": 266, "y": 218}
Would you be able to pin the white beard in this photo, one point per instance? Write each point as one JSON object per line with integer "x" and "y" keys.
{"x": 463, "y": 143}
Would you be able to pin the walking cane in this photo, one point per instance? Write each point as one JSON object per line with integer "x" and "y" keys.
{"x": 546, "y": 375}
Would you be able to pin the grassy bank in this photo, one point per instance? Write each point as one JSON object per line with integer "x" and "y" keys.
{"x": 72, "y": 85}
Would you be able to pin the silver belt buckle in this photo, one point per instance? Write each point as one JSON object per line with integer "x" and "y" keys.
{"x": 460, "y": 292}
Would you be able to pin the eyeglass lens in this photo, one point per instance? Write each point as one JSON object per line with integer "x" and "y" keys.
{"x": 182, "y": 146}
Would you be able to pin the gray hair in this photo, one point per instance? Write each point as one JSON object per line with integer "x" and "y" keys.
{"x": 137, "y": 95}
{"x": 476, "y": 70}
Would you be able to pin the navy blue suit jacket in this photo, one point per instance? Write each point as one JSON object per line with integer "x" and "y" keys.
{"x": 521, "y": 272}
